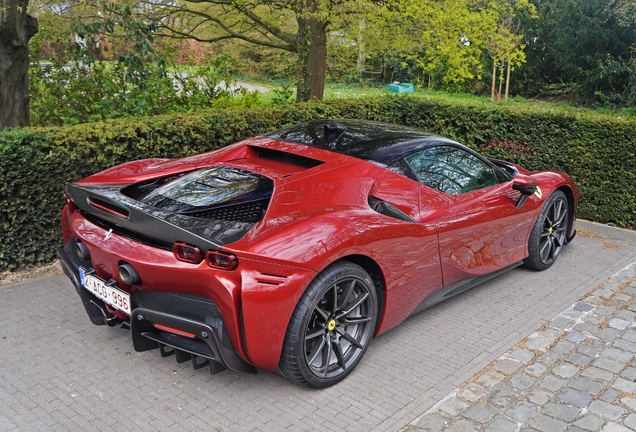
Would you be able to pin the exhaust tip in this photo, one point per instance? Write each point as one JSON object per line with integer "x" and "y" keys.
{"x": 128, "y": 275}
{"x": 81, "y": 252}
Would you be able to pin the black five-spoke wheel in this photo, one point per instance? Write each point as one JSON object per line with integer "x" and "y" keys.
{"x": 548, "y": 235}
{"x": 331, "y": 326}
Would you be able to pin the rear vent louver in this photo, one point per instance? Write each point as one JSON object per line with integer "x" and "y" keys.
{"x": 244, "y": 212}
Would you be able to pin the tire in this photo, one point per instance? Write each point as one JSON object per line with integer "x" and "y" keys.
{"x": 331, "y": 327}
{"x": 549, "y": 233}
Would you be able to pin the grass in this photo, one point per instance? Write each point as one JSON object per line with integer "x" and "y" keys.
{"x": 349, "y": 91}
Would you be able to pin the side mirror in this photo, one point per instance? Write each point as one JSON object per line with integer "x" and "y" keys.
{"x": 526, "y": 185}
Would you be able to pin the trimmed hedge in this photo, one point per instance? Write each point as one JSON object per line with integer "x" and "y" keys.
{"x": 35, "y": 163}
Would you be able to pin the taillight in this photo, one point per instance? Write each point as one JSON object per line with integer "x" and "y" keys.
{"x": 221, "y": 260}
{"x": 187, "y": 253}
{"x": 69, "y": 202}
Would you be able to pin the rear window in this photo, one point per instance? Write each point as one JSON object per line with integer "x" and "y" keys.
{"x": 218, "y": 192}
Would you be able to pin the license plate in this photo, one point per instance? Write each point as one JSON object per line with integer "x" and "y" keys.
{"x": 115, "y": 297}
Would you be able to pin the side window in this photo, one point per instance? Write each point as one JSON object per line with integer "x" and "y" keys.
{"x": 451, "y": 169}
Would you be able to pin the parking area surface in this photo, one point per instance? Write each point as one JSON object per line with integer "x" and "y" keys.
{"x": 60, "y": 372}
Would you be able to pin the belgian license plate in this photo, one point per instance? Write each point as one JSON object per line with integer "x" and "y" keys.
{"x": 113, "y": 296}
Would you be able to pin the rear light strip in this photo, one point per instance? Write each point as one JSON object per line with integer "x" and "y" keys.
{"x": 175, "y": 331}
{"x": 215, "y": 259}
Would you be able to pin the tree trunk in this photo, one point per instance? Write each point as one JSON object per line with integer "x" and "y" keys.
{"x": 507, "y": 81}
{"x": 16, "y": 28}
{"x": 494, "y": 80}
{"x": 312, "y": 52}
{"x": 360, "y": 63}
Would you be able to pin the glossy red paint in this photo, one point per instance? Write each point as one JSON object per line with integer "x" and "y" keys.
{"x": 319, "y": 214}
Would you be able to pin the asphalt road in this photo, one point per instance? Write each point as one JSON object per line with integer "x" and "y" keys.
{"x": 60, "y": 372}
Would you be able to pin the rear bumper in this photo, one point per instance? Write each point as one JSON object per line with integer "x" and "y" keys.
{"x": 152, "y": 328}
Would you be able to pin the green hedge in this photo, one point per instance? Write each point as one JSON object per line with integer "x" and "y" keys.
{"x": 35, "y": 163}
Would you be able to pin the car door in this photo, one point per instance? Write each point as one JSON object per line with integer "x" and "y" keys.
{"x": 473, "y": 206}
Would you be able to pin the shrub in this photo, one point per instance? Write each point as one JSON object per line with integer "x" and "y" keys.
{"x": 35, "y": 163}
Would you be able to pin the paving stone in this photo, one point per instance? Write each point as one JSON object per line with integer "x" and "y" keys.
{"x": 616, "y": 354}
{"x": 608, "y": 364}
{"x": 563, "y": 347}
{"x": 573, "y": 314}
{"x": 586, "y": 328}
{"x": 575, "y": 429}
{"x": 604, "y": 292}
{"x": 538, "y": 343}
{"x": 597, "y": 374}
{"x": 583, "y": 307}
{"x": 578, "y": 359}
{"x": 574, "y": 397}
{"x": 593, "y": 300}
{"x": 624, "y": 345}
{"x": 507, "y": 366}
{"x": 587, "y": 350}
{"x": 522, "y": 411}
{"x": 461, "y": 425}
{"x": 537, "y": 396}
{"x": 561, "y": 411}
{"x": 624, "y": 385}
{"x": 521, "y": 381}
{"x": 501, "y": 425}
{"x": 548, "y": 358}
{"x": 576, "y": 337}
{"x": 621, "y": 297}
{"x": 550, "y": 334}
{"x": 504, "y": 396}
{"x": 626, "y": 315}
{"x": 630, "y": 335}
{"x": 629, "y": 374}
{"x": 561, "y": 322}
{"x": 586, "y": 386}
{"x": 434, "y": 422}
{"x": 594, "y": 319}
{"x": 472, "y": 392}
{"x": 629, "y": 402}
{"x": 615, "y": 427}
{"x": 522, "y": 355}
{"x": 619, "y": 324}
{"x": 607, "y": 333}
{"x": 565, "y": 370}
{"x": 536, "y": 369}
{"x": 547, "y": 424}
{"x": 632, "y": 307}
{"x": 489, "y": 379}
{"x": 453, "y": 406}
{"x": 482, "y": 412}
{"x": 630, "y": 421}
{"x": 610, "y": 396}
{"x": 552, "y": 383}
{"x": 590, "y": 422}
{"x": 606, "y": 410}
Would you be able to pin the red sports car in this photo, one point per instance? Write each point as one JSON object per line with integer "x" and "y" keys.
{"x": 292, "y": 250}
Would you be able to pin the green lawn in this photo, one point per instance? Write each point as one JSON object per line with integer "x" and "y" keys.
{"x": 348, "y": 91}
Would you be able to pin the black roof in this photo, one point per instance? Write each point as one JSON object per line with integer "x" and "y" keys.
{"x": 379, "y": 142}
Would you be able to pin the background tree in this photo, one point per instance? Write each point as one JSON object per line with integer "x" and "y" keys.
{"x": 578, "y": 49}
{"x": 16, "y": 28}
{"x": 298, "y": 26}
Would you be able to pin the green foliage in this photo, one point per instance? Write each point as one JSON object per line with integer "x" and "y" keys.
{"x": 283, "y": 95}
{"x": 597, "y": 151}
{"x": 138, "y": 84}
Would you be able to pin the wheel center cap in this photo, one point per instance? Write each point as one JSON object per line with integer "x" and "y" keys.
{"x": 550, "y": 230}
{"x": 331, "y": 325}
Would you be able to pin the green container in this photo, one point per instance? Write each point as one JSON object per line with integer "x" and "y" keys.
{"x": 400, "y": 88}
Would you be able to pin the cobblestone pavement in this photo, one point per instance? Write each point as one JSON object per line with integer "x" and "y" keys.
{"x": 577, "y": 373}
{"x": 59, "y": 372}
